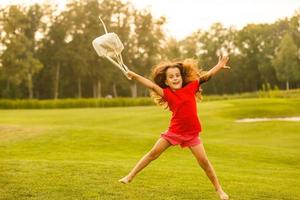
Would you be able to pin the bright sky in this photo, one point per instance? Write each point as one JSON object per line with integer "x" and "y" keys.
{"x": 186, "y": 16}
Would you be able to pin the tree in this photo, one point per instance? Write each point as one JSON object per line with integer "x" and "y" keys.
{"x": 19, "y": 58}
{"x": 54, "y": 55}
{"x": 147, "y": 43}
{"x": 286, "y": 61}
{"x": 211, "y": 44}
{"x": 248, "y": 41}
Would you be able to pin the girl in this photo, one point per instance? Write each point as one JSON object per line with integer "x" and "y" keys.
{"x": 175, "y": 85}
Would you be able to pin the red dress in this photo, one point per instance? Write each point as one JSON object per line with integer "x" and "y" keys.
{"x": 184, "y": 126}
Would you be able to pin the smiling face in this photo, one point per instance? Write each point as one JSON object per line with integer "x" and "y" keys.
{"x": 173, "y": 78}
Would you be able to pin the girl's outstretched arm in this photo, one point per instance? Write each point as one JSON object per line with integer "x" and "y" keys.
{"x": 221, "y": 65}
{"x": 146, "y": 82}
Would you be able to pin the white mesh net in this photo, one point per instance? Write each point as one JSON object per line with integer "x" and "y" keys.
{"x": 108, "y": 45}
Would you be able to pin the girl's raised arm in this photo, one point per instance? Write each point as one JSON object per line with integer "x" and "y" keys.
{"x": 221, "y": 65}
{"x": 146, "y": 82}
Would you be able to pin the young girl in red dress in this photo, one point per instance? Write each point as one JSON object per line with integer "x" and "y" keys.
{"x": 175, "y": 85}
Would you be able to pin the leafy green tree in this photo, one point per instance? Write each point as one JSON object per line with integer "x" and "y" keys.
{"x": 147, "y": 43}
{"x": 19, "y": 60}
{"x": 78, "y": 17}
{"x": 54, "y": 55}
{"x": 248, "y": 41}
{"x": 212, "y": 43}
{"x": 286, "y": 61}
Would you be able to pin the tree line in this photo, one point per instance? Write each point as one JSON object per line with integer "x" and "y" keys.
{"x": 48, "y": 54}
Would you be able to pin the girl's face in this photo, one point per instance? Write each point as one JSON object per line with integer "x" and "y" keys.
{"x": 173, "y": 78}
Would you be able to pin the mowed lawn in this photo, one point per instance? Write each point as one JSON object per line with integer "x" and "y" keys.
{"x": 81, "y": 153}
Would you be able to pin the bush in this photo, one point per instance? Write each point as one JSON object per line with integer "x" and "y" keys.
{"x": 125, "y": 102}
{"x": 73, "y": 103}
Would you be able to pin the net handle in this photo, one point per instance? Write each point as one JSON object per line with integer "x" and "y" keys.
{"x": 121, "y": 67}
{"x": 103, "y": 24}
{"x": 119, "y": 58}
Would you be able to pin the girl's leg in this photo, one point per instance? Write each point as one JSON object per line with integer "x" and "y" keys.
{"x": 160, "y": 146}
{"x": 200, "y": 154}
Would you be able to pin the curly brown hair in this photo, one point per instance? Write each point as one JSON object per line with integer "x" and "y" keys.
{"x": 189, "y": 72}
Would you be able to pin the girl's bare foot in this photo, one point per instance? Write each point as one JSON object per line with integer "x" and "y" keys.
{"x": 125, "y": 180}
{"x": 222, "y": 195}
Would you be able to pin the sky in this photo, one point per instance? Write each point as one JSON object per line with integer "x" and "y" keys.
{"x": 187, "y": 16}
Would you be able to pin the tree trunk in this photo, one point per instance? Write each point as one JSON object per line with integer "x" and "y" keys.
{"x": 79, "y": 88}
{"x": 7, "y": 85}
{"x": 147, "y": 94}
{"x": 7, "y": 89}
{"x": 115, "y": 93}
{"x": 133, "y": 89}
{"x": 287, "y": 85}
{"x": 56, "y": 81}
{"x": 99, "y": 89}
{"x": 94, "y": 89}
{"x": 30, "y": 86}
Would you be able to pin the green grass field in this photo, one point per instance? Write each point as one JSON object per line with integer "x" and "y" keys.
{"x": 81, "y": 153}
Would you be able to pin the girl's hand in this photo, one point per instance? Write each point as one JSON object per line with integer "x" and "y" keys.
{"x": 221, "y": 65}
{"x": 146, "y": 82}
{"x": 130, "y": 74}
{"x": 222, "y": 62}
{"x": 200, "y": 90}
